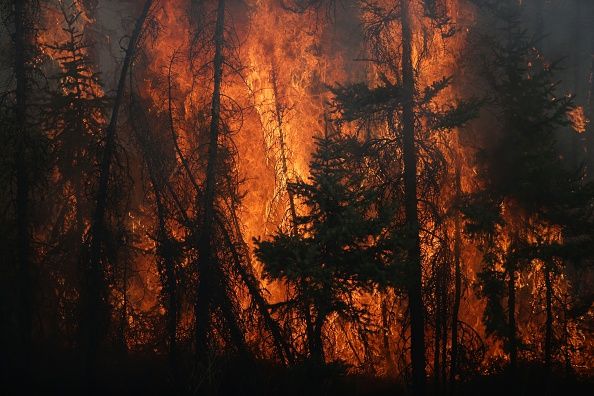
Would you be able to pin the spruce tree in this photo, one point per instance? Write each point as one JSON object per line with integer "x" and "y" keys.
{"x": 339, "y": 245}
{"x": 526, "y": 185}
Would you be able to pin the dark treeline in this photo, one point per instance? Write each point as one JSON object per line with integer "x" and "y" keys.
{"x": 440, "y": 242}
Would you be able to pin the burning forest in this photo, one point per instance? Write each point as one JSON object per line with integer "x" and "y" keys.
{"x": 297, "y": 197}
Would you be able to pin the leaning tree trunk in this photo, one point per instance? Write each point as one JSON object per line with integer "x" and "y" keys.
{"x": 94, "y": 272}
{"x": 22, "y": 181}
{"x": 412, "y": 217}
{"x": 202, "y": 305}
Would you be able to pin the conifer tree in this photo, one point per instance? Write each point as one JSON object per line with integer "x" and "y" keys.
{"x": 73, "y": 119}
{"x": 339, "y": 245}
{"x": 413, "y": 118}
{"x": 526, "y": 183}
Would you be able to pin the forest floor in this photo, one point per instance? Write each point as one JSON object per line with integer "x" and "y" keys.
{"x": 136, "y": 375}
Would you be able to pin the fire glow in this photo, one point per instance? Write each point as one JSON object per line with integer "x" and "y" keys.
{"x": 272, "y": 72}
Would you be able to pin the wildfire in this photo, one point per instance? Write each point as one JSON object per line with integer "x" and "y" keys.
{"x": 277, "y": 78}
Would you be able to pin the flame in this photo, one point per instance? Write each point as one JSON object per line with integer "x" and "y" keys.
{"x": 578, "y": 119}
{"x": 285, "y": 63}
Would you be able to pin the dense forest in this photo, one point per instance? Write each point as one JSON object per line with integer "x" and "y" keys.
{"x": 297, "y": 197}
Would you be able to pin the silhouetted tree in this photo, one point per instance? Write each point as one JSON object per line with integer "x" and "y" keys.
{"x": 337, "y": 245}
{"x": 525, "y": 180}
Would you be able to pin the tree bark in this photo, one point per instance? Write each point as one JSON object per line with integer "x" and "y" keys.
{"x": 410, "y": 190}
{"x": 205, "y": 263}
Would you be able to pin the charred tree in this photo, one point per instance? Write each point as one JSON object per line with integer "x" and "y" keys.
{"x": 206, "y": 262}
{"x": 415, "y": 293}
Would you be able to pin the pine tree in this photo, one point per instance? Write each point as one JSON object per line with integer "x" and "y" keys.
{"x": 73, "y": 118}
{"x": 339, "y": 245}
{"x": 526, "y": 184}
{"x": 413, "y": 118}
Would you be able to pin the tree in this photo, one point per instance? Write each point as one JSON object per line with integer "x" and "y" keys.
{"x": 73, "y": 116}
{"x": 413, "y": 118}
{"x": 337, "y": 246}
{"x": 206, "y": 260}
{"x": 526, "y": 183}
{"x": 21, "y": 174}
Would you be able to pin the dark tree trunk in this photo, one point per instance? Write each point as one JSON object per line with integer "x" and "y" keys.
{"x": 206, "y": 262}
{"x": 165, "y": 254}
{"x": 96, "y": 300}
{"x": 457, "y": 287}
{"x": 316, "y": 344}
{"x": 386, "y": 338}
{"x": 437, "y": 338}
{"x": 410, "y": 190}
{"x": 589, "y": 135}
{"x": 579, "y": 83}
{"x": 441, "y": 330}
{"x": 549, "y": 320}
{"x": 22, "y": 180}
{"x": 444, "y": 336}
{"x": 511, "y": 307}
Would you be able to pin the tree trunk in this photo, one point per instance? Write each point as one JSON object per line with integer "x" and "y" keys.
{"x": 410, "y": 190}
{"x": 444, "y": 337}
{"x": 457, "y": 286}
{"x": 549, "y": 320}
{"x": 511, "y": 307}
{"x": 22, "y": 182}
{"x": 589, "y": 135}
{"x": 165, "y": 253}
{"x": 317, "y": 346}
{"x": 437, "y": 338}
{"x": 94, "y": 273}
{"x": 386, "y": 338}
{"x": 205, "y": 263}
{"x": 579, "y": 83}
